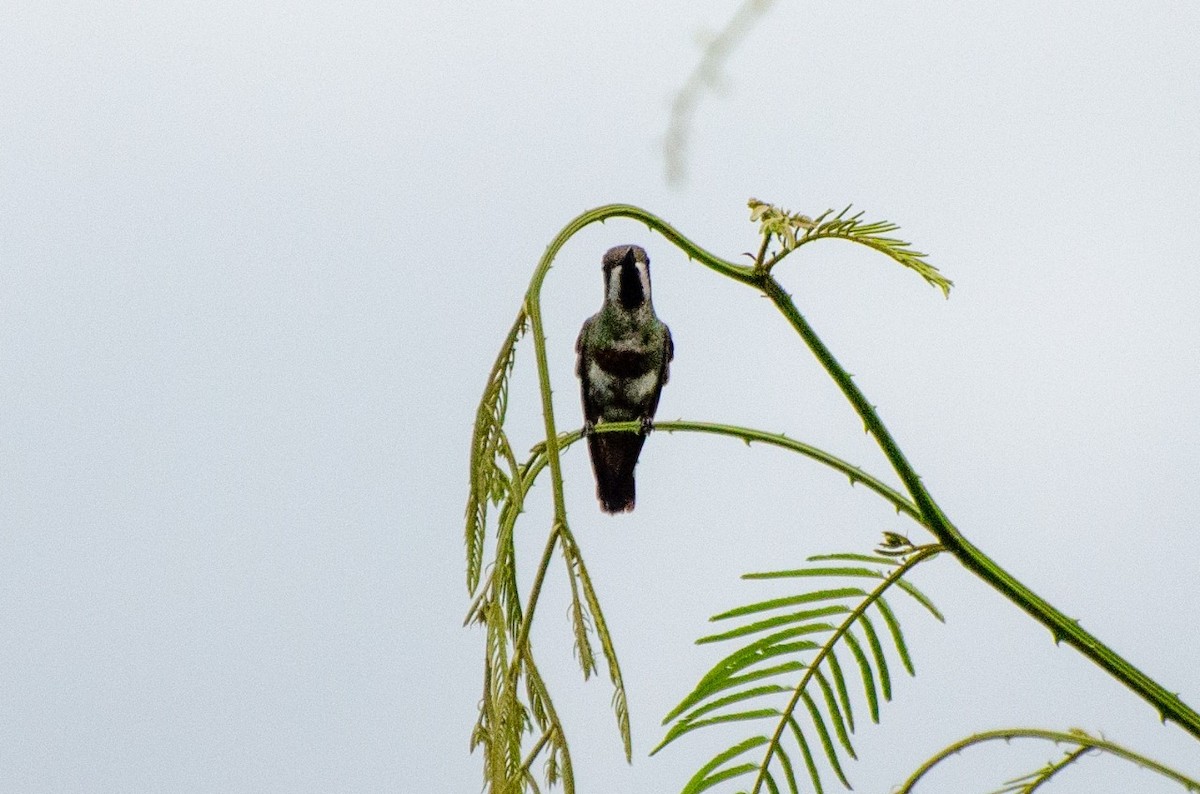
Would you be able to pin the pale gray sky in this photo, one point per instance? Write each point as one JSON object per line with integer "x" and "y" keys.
{"x": 257, "y": 258}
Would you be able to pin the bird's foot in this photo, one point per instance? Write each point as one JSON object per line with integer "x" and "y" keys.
{"x": 647, "y": 425}
{"x": 588, "y": 427}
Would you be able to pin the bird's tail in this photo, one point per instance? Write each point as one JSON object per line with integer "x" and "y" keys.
{"x": 614, "y": 456}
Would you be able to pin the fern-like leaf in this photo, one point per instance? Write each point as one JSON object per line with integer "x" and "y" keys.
{"x": 775, "y": 622}
{"x": 711, "y": 773}
{"x": 738, "y": 688}
{"x": 893, "y": 625}
{"x": 835, "y": 713}
{"x": 873, "y": 235}
{"x": 487, "y": 479}
{"x": 813, "y": 774}
{"x": 793, "y": 230}
{"x": 578, "y": 571}
{"x": 864, "y": 669}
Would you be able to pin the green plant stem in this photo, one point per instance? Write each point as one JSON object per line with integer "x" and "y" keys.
{"x": 1061, "y": 627}
{"x": 1079, "y": 738}
{"x": 1045, "y": 775}
{"x": 520, "y": 646}
{"x": 748, "y": 434}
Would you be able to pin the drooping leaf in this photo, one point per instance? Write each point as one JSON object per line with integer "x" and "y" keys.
{"x": 788, "y": 601}
{"x": 835, "y": 668}
{"x": 823, "y": 734}
{"x": 893, "y": 625}
{"x": 619, "y": 702}
{"x": 921, "y": 598}
{"x": 770, "y": 623}
{"x": 753, "y": 672}
{"x": 872, "y": 235}
{"x": 809, "y": 761}
{"x": 852, "y": 557}
{"x": 881, "y": 665}
{"x": 736, "y": 697}
{"x": 868, "y": 678}
{"x": 789, "y": 773}
{"x": 869, "y": 573}
{"x": 704, "y": 779}
{"x": 683, "y": 727}
{"x": 739, "y": 660}
{"x": 835, "y": 712}
{"x": 486, "y": 440}
{"x": 731, "y": 682}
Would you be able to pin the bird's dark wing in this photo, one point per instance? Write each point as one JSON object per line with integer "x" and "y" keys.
{"x": 665, "y": 371}
{"x": 591, "y": 411}
{"x": 669, "y": 357}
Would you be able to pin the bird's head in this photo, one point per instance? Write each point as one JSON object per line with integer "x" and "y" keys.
{"x": 627, "y": 276}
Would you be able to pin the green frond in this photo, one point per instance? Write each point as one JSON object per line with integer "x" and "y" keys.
{"x": 504, "y": 572}
{"x": 531, "y": 782}
{"x": 792, "y": 230}
{"x": 869, "y": 573}
{"x": 868, "y": 677}
{"x": 558, "y": 759}
{"x": 835, "y": 711}
{"x": 579, "y": 622}
{"x": 709, "y": 776}
{"x": 872, "y": 235}
{"x": 809, "y": 761}
{"x": 921, "y": 599}
{"x": 789, "y": 773}
{"x": 487, "y": 482}
{"x": 835, "y": 667}
{"x": 751, "y": 674}
{"x": 789, "y": 601}
{"x": 823, "y": 734}
{"x": 774, "y": 639}
{"x": 885, "y": 678}
{"x": 893, "y": 625}
{"x": 736, "y": 697}
{"x": 552, "y": 771}
{"x": 692, "y": 720}
{"x": 718, "y": 678}
{"x": 683, "y": 727}
{"x": 620, "y": 703}
{"x": 873, "y": 558}
{"x": 731, "y": 682}
{"x": 770, "y": 623}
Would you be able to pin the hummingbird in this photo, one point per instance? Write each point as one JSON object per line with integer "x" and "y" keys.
{"x": 624, "y": 354}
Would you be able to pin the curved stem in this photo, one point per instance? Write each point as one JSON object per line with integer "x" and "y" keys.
{"x": 747, "y": 434}
{"x": 1078, "y": 738}
{"x": 1063, "y": 628}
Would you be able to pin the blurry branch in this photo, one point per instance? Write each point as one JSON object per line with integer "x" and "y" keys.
{"x": 706, "y": 75}
{"x": 1082, "y": 742}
